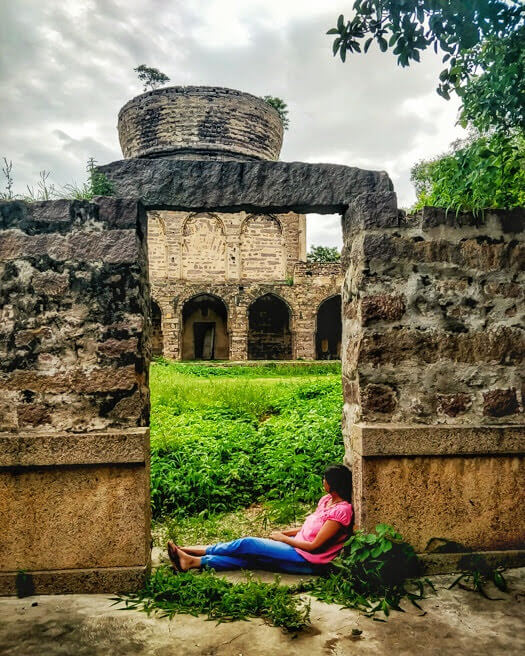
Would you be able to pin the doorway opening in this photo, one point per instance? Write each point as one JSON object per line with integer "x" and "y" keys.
{"x": 157, "y": 341}
{"x": 269, "y": 335}
{"x": 329, "y": 329}
{"x": 205, "y": 328}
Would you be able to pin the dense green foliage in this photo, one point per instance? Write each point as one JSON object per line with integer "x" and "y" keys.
{"x": 323, "y": 254}
{"x": 485, "y": 172}
{"x": 281, "y": 107}
{"x": 227, "y": 441}
{"x": 371, "y": 574}
{"x": 481, "y": 41}
{"x": 150, "y": 77}
{"x": 206, "y": 594}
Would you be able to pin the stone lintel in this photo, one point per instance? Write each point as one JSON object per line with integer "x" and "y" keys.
{"x": 437, "y": 440}
{"x": 33, "y": 449}
{"x": 109, "y": 580}
{"x": 229, "y": 186}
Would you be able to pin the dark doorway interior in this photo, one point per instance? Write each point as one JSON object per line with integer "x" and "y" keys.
{"x": 329, "y": 329}
{"x": 204, "y": 331}
{"x": 157, "y": 342}
{"x": 269, "y": 336}
{"x": 204, "y": 340}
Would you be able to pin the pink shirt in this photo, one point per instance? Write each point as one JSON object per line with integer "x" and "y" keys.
{"x": 340, "y": 512}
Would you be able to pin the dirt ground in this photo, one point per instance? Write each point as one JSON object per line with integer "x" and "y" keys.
{"x": 457, "y": 622}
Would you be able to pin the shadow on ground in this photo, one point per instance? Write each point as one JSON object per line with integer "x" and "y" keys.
{"x": 456, "y": 622}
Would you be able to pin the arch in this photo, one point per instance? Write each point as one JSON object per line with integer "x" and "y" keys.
{"x": 157, "y": 338}
{"x": 262, "y": 248}
{"x": 329, "y": 329}
{"x": 204, "y": 334}
{"x": 203, "y": 255}
{"x": 269, "y": 335}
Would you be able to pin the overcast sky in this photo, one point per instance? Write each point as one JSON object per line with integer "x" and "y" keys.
{"x": 66, "y": 68}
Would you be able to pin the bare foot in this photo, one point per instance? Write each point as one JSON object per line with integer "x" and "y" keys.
{"x": 187, "y": 561}
{"x": 194, "y": 551}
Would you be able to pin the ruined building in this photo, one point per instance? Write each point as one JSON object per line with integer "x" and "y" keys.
{"x": 230, "y": 285}
{"x": 432, "y": 346}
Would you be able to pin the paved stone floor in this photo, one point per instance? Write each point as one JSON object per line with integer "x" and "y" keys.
{"x": 456, "y": 622}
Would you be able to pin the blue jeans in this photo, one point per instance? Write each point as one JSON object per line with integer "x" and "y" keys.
{"x": 256, "y": 553}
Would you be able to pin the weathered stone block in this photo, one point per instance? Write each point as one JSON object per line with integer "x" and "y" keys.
{"x": 382, "y": 307}
{"x": 500, "y": 402}
{"x": 378, "y": 399}
{"x": 252, "y": 186}
{"x": 74, "y": 518}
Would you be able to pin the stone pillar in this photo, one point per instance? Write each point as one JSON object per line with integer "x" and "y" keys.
{"x": 74, "y": 399}
{"x": 238, "y": 325}
{"x": 432, "y": 372}
{"x": 304, "y": 335}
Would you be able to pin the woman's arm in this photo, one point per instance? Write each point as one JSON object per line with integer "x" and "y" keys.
{"x": 328, "y": 531}
{"x": 290, "y": 532}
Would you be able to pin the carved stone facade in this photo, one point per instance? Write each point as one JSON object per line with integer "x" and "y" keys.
{"x": 228, "y": 285}
{"x": 236, "y": 286}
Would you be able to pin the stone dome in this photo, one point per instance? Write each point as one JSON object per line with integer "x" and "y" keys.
{"x": 200, "y": 123}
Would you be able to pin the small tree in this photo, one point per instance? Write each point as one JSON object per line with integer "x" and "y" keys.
{"x": 281, "y": 107}
{"x": 152, "y": 78}
{"x": 323, "y": 254}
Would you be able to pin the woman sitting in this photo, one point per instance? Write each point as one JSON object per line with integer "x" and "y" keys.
{"x": 297, "y": 551}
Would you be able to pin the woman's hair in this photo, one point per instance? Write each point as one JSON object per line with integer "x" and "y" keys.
{"x": 339, "y": 478}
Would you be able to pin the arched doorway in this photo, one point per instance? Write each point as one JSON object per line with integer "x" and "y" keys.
{"x": 204, "y": 329}
{"x": 269, "y": 336}
{"x": 329, "y": 329}
{"x": 157, "y": 340}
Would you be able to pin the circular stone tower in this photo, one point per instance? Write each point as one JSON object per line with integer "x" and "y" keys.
{"x": 200, "y": 123}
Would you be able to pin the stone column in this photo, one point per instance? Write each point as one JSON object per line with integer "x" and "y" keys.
{"x": 432, "y": 372}
{"x": 74, "y": 399}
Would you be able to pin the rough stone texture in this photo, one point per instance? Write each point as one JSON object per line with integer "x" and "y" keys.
{"x": 26, "y": 449}
{"x": 476, "y": 501}
{"x": 267, "y": 187}
{"x": 200, "y": 123}
{"x": 83, "y": 517}
{"x": 108, "y": 580}
{"x": 434, "y": 312}
{"x": 73, "y": 300}
{"x": 74, "y": 409}
{"x": 433, "y": 372}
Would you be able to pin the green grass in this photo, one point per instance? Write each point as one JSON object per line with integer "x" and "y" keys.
{"x": 207, "y": 528}
{"x": 223, "y": 441}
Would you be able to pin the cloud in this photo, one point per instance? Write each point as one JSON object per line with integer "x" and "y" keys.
{"x": 67, "y": 68}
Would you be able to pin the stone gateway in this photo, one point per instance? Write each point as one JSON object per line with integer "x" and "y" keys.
{"x": 432, "y": 345}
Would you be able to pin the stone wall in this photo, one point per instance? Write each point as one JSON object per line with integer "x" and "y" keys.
{"x": 222, "y": 247}
{"x": 200, "y": 123}
{"x": 302, "y": 294}
{"x": 433, "y": 371}
{"x": 74, "y": 399}
{"x": 238, "y": 257}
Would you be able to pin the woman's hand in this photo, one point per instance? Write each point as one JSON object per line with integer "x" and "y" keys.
{"x": 278, "y": 536}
